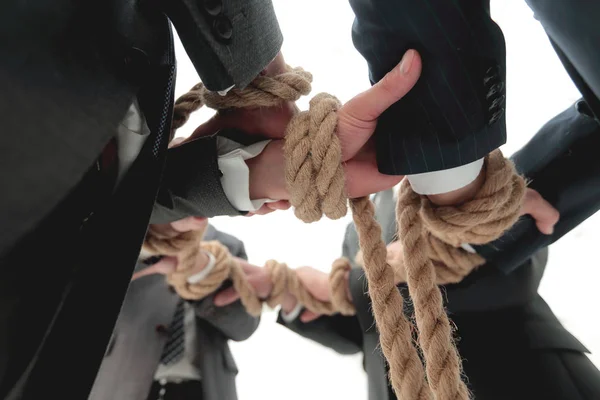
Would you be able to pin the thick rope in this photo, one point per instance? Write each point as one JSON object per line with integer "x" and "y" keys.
{"x": 430, "y": 235}
{"x": 186, "y": 247}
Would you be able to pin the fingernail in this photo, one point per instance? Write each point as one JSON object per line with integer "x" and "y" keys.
{"x": 407, "y": 61}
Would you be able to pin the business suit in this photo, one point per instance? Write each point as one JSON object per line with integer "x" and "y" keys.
{"x": 455, "y": 113}
{"x": 135, "y": 349}
{"x": 69, "y": 74}
{"x": 512, "y": 344}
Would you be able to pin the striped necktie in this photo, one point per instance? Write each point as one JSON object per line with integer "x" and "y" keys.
{"x": 175, "y": 346}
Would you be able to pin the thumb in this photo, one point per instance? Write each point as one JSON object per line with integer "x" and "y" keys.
{"x": 544, "y": 214}
{"x": 358, "y": 117}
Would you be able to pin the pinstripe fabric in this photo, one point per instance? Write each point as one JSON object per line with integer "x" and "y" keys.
{"x": 455, "y": 113}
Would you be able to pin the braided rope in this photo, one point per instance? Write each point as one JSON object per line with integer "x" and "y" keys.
{"x": 430, "y": 236}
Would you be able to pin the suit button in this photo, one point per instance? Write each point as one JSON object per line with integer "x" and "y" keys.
{"x": 213, "y": 7}
{"x": 584, "y": 108}
{"x": 223, "y": 28}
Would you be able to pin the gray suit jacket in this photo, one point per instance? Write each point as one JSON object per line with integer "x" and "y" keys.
{"x": 136, "y": 346}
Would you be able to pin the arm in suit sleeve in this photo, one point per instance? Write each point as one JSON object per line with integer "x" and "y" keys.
{"x": 228, "y": 41}
{"x": 191, "y": 184}
{"x": 340, "y": 333}
{"x": 561, "y": 162}
{"x": 232, "y": 320}
{"x": 455, "y": 113}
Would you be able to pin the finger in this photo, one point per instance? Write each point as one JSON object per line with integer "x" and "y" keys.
{"x": 308, "y": 316}
{"x": 357, "y": 118}
{"x": 189, "y": 224}
{"x": 262, "y": 284}
{"x": 165, "y": 265}
{"x": 263, "y": 210}
{"x": 249, "y": 269}
{"x": 279, "y": 205}
{"x": 176, "y": 141}
{"x": 363, "y": 178}
{"x": 544, "y": 214}
{"x": 226, "y": 297}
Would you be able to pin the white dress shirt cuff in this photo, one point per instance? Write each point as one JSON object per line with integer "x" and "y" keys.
{"x": 205, "y": 271}
{"x": 236, "y": 175}
{"x": 293, "y": 314}
{"x": 447, "y": 180}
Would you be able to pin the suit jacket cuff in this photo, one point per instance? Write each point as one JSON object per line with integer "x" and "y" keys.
{"x": 235, "y": 177}
{"x": 230, "y": 43}
{"x": 191, "y": 184}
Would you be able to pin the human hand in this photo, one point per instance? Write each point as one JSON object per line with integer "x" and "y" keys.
{"x": 317, "y": 284}
{"x": 168, "y": 264}
{"x": 356, "y": 123}
{"x": 315, "y": 281}
{"x": 357, "y": 120}
{"x": 260, "y": 122}
{"x": 257, "y": 277}
{"x": 544, "y": 214}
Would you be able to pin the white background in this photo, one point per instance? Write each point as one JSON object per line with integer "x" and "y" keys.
{"x": 277, "y": 364}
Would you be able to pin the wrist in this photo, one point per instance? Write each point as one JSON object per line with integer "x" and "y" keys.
{"x": 289, "y": 303}
{"x": 267, "y": 176}
{"x": 276, "y": 66}
{"x": 461, "y": 195}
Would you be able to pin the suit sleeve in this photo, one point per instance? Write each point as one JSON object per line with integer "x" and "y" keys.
{"x": 340, "y": 333}
{"x": 561, "y": 162}
{"x": 455, "y": 113}
{"x": 232, "y": 320}
{"x": 228, "y": 41}
{"x": 191, "y": 184}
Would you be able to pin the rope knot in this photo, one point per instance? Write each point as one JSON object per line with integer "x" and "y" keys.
{"x": 493, "y": 210}
{"x": 220, "y": 272}
{"x": 313, "y": 169}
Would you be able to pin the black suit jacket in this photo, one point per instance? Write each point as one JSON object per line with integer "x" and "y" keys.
{"x": 68, "y": 245}
{"x": 455, "y": 113}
